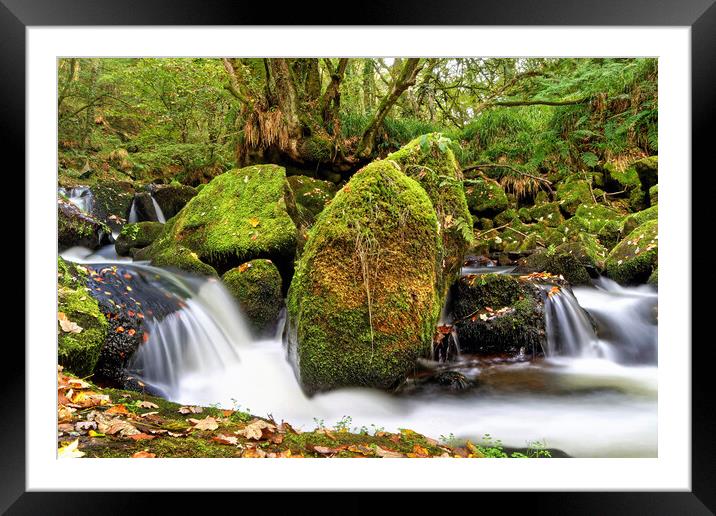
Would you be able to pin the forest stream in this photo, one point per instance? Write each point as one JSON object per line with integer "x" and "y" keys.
{"x": 597, "y": 398}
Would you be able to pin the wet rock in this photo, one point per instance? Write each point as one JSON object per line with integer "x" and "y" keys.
{"x": 364, "y": 302}
{"x": 256, "y": 285}
{"x": 635, "y": 258}
{"x": 77, "y": 228}
{"x": 498, "y": 314}
{"x": 112, "y": 201}
{"x": 172, "y": 198}
{"x": 136, "y": 236}
{"x": 239, "y": 216}
{"x": 85, "y": 328}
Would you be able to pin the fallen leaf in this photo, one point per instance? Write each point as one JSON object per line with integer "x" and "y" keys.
{"x": 254, "y": 222}
{"x": 147, "y": 404}
{"x": 208, "y": 423}
{"x": 117, "y": 409}
{"x": 69, "y": 326}
{"x": 85, "y": 425}
{"x": 190, "y": 410}
{"x": 141, "y": 436}
{"x": 226, "y": 439}
{"x": 119, "y": 426}
{"x": 144, "y": 454}
{"x": 324, "y": 450}
{"x": 253, "y": 453}
{"x": 388, "y": 454}
{"x": 254, "y": 430}
{"x": 70, "y": 451}
{"x": 92, "y": 433}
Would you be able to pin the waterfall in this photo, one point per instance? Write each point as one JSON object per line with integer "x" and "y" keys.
{"x": 201, "y": 339}
{"x": 141, "y": 212}
{"x": 158, "y": 211}
{"x": 80, "y": 196}
{"x": 609, "y": 322}
{"x": 133, "y": 217}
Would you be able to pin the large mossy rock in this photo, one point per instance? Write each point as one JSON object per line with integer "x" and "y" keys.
{"x": 256, "y": 285}
{"x": 634, "y": 259}
{"x": 79, "y": 344}
{"x": 547, "y": 213}
{"x": 572, "y": 194}
{"x": 365, "y": 298}
{"x": 136, "y": 236}
{"x": 564, "y": 262}
{"x": 498, "y": 314}
{"x": 172, "y": 198}
{"x": 485, "y": 197}
{"x": 239, "y": 216}
{"x": 78, "y": 228}
{"x": 111, "y": 201}
{"x": 648, "y": 171}
{"x": 309, "y": 197}
{"x": 430, "y": 161}
{"x": 635, "y": 220}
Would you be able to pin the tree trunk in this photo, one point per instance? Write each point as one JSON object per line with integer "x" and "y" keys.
{"x": 407, "y": 76}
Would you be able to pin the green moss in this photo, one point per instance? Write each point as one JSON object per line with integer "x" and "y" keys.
{"x": 136, "y": 236}
{"x": 564, "y": 262}
{"x": 240, "y": 215}
{"x": 364, "y": 300}
{"x": 172, "y": 198}
{"x": 430, "y": 161}
{"x": 506, "y": 217}
{"x": 547, "y": 213}
{"x": 485, "y": 197}
{"x": 647, "y": 170}
{"x": 256, "y": 285}
{"x": 609, "y": 233}
{"x": 654, "y": 195}
{"x": 634, "y": 220}
{"x": 587, "y": 249}
{"x": 627, "y": 178}
{"x": 78, "y": 352}
{"x": 572, "y": 194}
{"x": 112, "y": 198}
{"x": 520, "y": 328}
{"x": 597, "y": 212}
{"x": 634, "y": 259}
{"x": 77, "y": 228}
{"x": 654, "y": 277}
{"x": 318, "y": 148}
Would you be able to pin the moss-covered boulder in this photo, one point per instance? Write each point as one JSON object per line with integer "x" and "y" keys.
{"x": 506, "y": 217}
{"x": 136, "y": 236}
{"x": 647, "y": 170}
{"x": 256, "y": 285}
{"x": 308, "y": 198}
{"x": 634, "y": 259}
{"x": 111, "y": 201}
{"x": 631, "y": 222}
{"x": 654, "y": 277}
{"x": 78, "y": 228}
{"x": 609, "y": 233}
{"x": 430, "y": 161}
{"x": 562, "y": 262}
{"x": 239, "y": 216}
{"x": 81, "y": 328}
{"x": 654, "y": 195}
{"x": 572, "y": 194}
{"x": 547, "y": 213}
{"x": 498, "y": 314}
{"x": 172, "y": 198}
{"x": 485, "y": 197}
{"x": 365, "y": 298}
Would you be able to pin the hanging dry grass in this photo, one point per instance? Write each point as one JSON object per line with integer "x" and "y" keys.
{"x": 521, "y": 186}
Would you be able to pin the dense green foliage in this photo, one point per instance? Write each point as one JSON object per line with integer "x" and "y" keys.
{"x": 191, "y": 118}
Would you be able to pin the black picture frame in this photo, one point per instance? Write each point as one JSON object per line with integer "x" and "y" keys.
{"x": 699, "y": 15}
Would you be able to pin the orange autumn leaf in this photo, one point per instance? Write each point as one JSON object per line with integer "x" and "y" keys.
{"x": 144, "y": 454}
{"x": 117, "y": 409}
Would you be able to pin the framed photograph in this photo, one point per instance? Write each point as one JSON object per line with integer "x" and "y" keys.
{"x": 429, "y": 235}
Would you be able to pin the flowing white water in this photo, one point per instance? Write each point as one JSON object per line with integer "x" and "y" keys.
{"x": 80, "y": 196}
{"x": 587, "y": 407}
{"x": 158, "y": 211}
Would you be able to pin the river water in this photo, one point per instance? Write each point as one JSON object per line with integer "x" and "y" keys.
{"x": 595, "y": 397}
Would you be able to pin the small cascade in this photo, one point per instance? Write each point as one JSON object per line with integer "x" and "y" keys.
{"x": 200, "y": 340}
{"x": 80, "y": 196}
{"x": 570, "y": 331}
{"x": 133, "y": 216}
{"x": 145, "y": 209}
{"x": 158, "y": 211}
